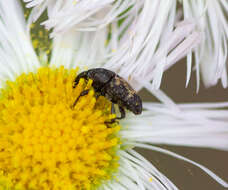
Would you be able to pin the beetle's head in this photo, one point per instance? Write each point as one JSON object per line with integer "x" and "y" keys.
{"x": 134, "y": 104}
{"x": 81, "y": 75}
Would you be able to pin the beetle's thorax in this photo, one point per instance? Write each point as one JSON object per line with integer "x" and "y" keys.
{"x": 100, "y": 77}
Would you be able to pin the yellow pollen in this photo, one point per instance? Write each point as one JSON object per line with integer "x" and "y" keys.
{"x": 45, "y": 144}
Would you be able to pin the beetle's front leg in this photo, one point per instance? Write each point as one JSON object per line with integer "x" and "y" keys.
{"x": 81, "y": 75}
{"x": 83, "y": 93}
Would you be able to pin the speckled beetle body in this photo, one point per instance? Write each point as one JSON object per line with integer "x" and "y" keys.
{"x": 115, "y": 88}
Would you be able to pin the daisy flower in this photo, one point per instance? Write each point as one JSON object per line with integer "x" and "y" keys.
{"x": 47, "y": 144}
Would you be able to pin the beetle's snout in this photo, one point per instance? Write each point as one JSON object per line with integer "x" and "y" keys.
{"x": 136, "y": 105}
{"x": 138, "y": 108}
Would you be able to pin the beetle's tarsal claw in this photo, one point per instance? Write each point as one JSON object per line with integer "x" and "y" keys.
{"x": 97, "y": 95}
{"x": 74, "y": 84}
{"x": 111, "y": 121}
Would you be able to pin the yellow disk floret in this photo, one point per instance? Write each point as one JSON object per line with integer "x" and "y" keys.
{"x": 45, "y": 144}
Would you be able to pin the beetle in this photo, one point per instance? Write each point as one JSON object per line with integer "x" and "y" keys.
{"x": 113, "y": 87}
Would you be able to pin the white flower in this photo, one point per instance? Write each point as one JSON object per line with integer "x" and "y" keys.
{"x": 211, "y": 55}
{"x": 160, "y": 123}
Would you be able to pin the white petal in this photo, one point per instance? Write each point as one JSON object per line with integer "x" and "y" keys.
{"x": 17, "y": 54}
{"x": 83, "y": 49}
{"x": 199, "y": 126}
{"x": 64, "y": 50}
{"x": 151, "y": 44}
{"x": 86, "y": 15}
{"x": 211, "y": 55}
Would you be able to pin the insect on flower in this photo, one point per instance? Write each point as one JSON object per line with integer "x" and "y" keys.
{"x": 113, "y": 87}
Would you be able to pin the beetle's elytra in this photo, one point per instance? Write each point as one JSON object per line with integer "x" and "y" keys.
{"x": 112, "y": 86}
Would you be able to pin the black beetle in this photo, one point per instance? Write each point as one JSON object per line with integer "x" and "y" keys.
{"x": 112, "y": 86}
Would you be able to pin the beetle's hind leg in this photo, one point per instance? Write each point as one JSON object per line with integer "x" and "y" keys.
{"x": 83, "y": 93}
{"x": 122, "y": 111}
{"x": 113, "y": 111}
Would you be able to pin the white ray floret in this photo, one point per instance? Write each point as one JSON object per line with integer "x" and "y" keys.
{"x": 87, "y": 15}
{"x": 211, "y": 56}
{"x": 16, "y": 52}
{"x": 38, "y": 7}
{"x": 87, "y": 49}
{"x": 83, "y": 15}
{"x": 198, "y": 125}
{"x": 153, "y": 42}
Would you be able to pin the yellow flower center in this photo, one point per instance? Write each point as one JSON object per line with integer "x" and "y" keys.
{"x": 45, "y": 144}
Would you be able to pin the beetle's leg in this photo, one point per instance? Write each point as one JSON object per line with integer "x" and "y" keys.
{"x": 111, "y": 121}
{"x": 113, "y": 111}
{"x": 122, "y": 112}
{"x": 83, "y": 93}
{"x": 97, "y": 95}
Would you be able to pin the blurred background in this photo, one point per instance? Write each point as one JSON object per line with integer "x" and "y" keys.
{"x": 184, "y": 175}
